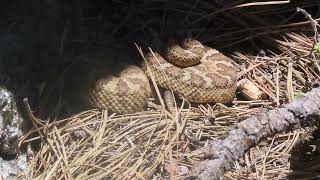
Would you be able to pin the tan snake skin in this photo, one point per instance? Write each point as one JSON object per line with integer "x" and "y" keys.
{"x": 127, "y": 93}
{"x": 212, "y": 80}
{"x": 199, "y": 74}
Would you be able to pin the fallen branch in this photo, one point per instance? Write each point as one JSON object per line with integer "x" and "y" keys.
{"x": 220, "y": 154}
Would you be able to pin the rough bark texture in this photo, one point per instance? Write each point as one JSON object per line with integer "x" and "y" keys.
{"x": 220, "y": 154}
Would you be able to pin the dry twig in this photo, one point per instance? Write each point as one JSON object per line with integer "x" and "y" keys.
{"x": 220, "y": 154}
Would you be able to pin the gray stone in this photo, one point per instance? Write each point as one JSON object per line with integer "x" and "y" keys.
{"x": 14, "y": 168}
{"x": 10, "y": 123}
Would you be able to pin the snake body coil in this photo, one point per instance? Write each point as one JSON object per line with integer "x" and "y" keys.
{"x": 127, "y": 93}
{"x": 198, "y": 73}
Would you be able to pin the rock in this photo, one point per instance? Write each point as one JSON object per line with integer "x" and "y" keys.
{"x": 14, "y": 168}
{"x": 10, "y": 123}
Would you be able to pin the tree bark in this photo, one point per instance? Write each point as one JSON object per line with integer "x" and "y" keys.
{"x": 220, "y": 154}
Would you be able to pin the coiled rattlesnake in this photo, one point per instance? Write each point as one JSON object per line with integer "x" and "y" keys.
{"x": 200, "y": 74}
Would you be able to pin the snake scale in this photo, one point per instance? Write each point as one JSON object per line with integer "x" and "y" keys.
{"x": 198, "y": 73}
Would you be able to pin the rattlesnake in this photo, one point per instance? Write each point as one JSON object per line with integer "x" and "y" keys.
{"x": 200, "y": 74}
